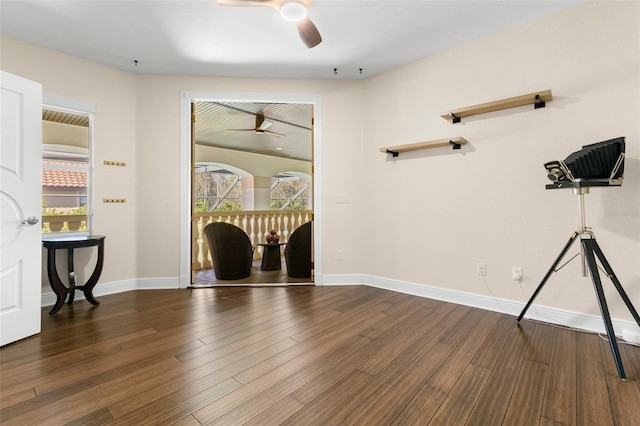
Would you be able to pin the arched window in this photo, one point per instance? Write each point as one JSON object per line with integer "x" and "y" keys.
{"x": 217, "y": 188}
{"x": 290, "y": 191}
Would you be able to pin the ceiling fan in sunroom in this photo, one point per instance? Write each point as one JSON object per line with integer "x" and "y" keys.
{"x": 291, "y": 10}
{"x": 261, "y": 127}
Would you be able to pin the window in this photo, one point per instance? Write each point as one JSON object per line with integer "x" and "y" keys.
{"x": 290, "y": 191}
{"x": 217, "y": 190}
{"x": 66, "y": 170}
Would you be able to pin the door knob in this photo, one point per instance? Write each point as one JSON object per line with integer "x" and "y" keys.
{"x": 31, "y": 220}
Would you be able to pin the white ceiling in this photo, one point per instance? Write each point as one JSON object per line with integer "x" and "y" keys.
{"x": 203, "y": 38}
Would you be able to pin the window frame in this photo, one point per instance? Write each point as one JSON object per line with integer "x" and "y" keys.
{"x": 86, "y": 109}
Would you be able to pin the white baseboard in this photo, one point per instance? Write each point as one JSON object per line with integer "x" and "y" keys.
{"x": 158, "y": 283}
{"x": 591, "y": 323}
{"x": 103, "y": 289}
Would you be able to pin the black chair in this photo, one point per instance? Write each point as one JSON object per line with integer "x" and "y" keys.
{"x": 297, "y": 253}
{"x": 231, "y": 250}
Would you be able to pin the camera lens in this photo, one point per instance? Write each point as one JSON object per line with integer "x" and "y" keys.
{"x": 555, "y": 175}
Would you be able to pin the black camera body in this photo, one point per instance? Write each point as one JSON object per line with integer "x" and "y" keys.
{"x": 597, "y": 164}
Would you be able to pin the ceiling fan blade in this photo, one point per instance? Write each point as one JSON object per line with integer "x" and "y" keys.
{"x": 269, "y": 132}
{"x": 241, "y": 130}
{"x": 308, "y": 32}
{"x": 259, "y": 121}
{"x": 249, "y": 3}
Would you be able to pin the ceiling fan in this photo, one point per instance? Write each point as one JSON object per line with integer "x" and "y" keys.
{"x": 261, "y": 127}
{"x": 291, "y": 10}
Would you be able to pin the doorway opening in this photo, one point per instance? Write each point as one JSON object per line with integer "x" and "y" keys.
{"x": 251, "y": 163}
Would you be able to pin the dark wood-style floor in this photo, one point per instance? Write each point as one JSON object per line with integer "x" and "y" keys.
{"x": 306, "y": 356}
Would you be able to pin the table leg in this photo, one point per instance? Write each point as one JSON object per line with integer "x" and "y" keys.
{"x": 72, "y": 277}
{"x": 54, "y": 279}
{"x": 93, "y": 280}
{"x": 271, "y": 258}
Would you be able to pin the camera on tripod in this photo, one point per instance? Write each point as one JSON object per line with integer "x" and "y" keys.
{"x": 597, "y": 164}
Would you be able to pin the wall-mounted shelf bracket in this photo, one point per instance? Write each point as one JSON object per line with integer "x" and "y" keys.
{"x": 538, "y": 99}
{"x": 396, "y": 150}
{"x": 539, "y": 103}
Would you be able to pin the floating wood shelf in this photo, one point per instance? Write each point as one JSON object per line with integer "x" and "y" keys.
{"x": 536, "y": 99}
{"x": 396, "y": 150}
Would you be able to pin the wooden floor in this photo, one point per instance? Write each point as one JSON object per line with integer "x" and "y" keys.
{"x": 307, "y": 355}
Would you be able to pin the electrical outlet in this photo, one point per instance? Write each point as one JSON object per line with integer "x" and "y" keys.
{"x": 339, "y": 255}
{"x": 516, "y": 273}
{"x": 481, "y": 269}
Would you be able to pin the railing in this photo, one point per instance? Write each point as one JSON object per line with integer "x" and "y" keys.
{"x": 256, "y": 224}
{"x": 64, "y": 222}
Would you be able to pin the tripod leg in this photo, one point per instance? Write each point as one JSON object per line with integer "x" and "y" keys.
{"x": 588, "y": 245}
{"x": 551, "y": 270}
{"x": 616, "y": 282}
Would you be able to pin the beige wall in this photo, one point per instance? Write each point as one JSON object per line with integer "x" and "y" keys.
{"x": 114, "y": 94}
{"x": 137, "y": 120}
{"x": 442, "y": 211}
{"x": 428, "y": 217}
{"x": 341, "y": 104}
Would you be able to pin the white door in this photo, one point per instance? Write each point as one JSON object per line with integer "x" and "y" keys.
{"x": 20, "y": 206}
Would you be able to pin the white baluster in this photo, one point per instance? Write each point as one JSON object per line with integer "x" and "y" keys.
{"x": 200, "y": 242}
{"x": 261, "y": 235}
{"x": 285, "y": 232}
{"x": 252, "y": 235}
{"x": 279, "y": 227}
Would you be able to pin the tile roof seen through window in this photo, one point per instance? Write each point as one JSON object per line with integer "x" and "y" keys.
{"x": 63, "y": 178}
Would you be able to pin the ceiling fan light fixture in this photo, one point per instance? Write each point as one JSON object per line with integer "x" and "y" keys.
{"x": 293, "y": 10}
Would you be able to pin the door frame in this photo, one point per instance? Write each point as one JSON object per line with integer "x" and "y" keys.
{"x": 186, "y": 98}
